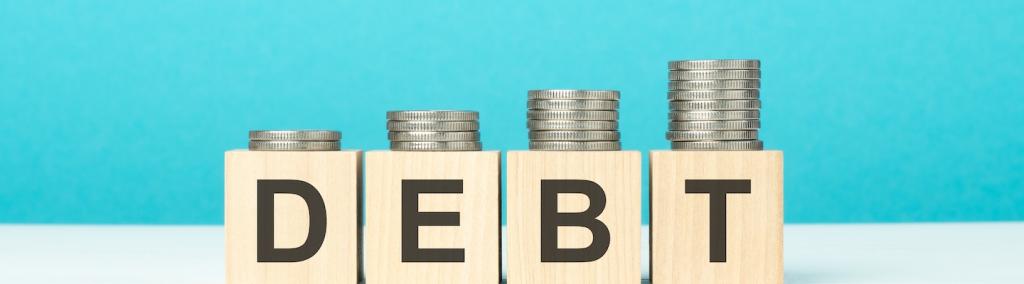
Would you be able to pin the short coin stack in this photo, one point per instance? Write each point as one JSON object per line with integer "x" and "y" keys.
{"x": 573, "y": 120}
{"x": 715, "y": 105}
{"x": 294, "y": 140}
{"x": 434, "y": 130}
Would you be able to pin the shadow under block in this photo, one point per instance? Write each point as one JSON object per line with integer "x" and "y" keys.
{"x": 335, "y": 177}
{"x": 446, "y": 204}
{"x": 716, "y": 217}
{"x": 533, "y": 174}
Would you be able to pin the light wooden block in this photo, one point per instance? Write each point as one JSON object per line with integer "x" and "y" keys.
{"x": 684, "y": 246}
{"x": 479, "y": 217}
{"x": 335, "y": 176}
{"x": 617, "y": 173}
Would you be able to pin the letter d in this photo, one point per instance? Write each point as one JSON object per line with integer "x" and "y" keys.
{"x": 265, "y": 191}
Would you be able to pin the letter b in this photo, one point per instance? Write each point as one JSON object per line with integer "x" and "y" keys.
{"x": 550, "y": 220}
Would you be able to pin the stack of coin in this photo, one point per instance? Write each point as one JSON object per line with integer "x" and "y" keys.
{"x": 434, "y": 130}
{"x": 573, "y": 120}
{"x": 714, "y": 105}
{"x": 294, "y": 140}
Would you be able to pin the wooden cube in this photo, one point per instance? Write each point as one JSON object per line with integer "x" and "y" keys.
{"x": 716, "y": 217}
{"x": 291, "y": 217}
{"x": 433, "y": 217}
{"x": 573, "y": 217}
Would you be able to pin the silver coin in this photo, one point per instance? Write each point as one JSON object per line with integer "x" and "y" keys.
{"x": 433, "y": 136}
{"x": 715, "y": 125}
{"x": 434, "y": 115}
{"x": 573, "y": 114}
{"x": 572, "y": 104}
{"x": 575, "y": 145}
{"x": 436, "y": 146}
{"x": 571, "y": 125}
{"x": 711, "y": 135}
{"x": 715, "y": 105}
{"x": 294, "y": 145}
{"x": 607, "y": 95}
{"x": 697, "y": 95}
{"x": 418, "y": 125}
{"x": 294, "y": 135}
{"x": 713, "y": 74}
{"x": 713, "y": 115}
{"x": 714, "y": 64}
{"x": 570, "y": 135}
{"x": 714, "y": 84}
{"x": 741, "y": 145}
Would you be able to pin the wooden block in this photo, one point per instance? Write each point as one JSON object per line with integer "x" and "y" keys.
{"x": 433, "y": 217}
{"x": 288, "y": 202}
{"x": 716, "y": 217}
{"x": 553, "y": 198}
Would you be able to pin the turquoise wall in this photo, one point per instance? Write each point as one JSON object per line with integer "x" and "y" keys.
{"x": 120, "y": 111}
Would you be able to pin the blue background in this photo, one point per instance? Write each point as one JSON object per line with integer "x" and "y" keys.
{"x": 120, "y": 111}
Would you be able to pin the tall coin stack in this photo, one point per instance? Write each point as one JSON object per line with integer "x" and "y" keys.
{"x": 434, "y": 130}
{"x": 573, "y": 120}
{"x": 714, "y": 105}
{"x": 294, "y": 140}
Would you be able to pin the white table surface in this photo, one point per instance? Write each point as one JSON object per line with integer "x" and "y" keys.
{"x": 870, "y": 253}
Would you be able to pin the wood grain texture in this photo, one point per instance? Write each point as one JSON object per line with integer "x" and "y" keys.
{"x": 479, "y": 208}
{"x": 617, "y": 172}
{"x": 680, "y": 236}
{"x": 335, "y": 175}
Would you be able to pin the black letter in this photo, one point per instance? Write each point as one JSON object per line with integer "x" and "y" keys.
{"x": 412, "y": 219}
{"x": 265, "y": 190}
{"x": 550, "y": 220}
{"x": 717, "y": 189}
